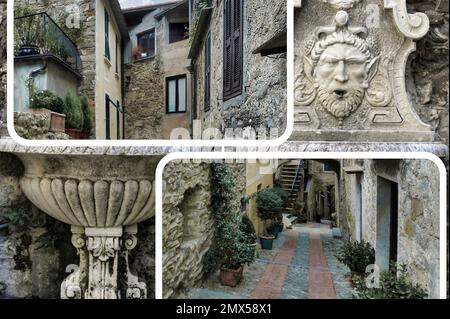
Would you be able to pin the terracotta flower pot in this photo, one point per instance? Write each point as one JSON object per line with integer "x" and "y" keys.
{"x": 57, "y": 120}
{"x": 75, "y": 134}
{"x": 231, "y": 277}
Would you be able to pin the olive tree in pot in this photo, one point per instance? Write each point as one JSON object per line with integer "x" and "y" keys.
{"x": 269, "y": 204}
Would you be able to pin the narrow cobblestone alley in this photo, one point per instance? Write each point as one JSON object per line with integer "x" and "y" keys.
{"x": 301, "y": 266}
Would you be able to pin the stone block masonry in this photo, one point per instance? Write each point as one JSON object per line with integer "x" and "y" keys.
{"x": 144, "y": 94}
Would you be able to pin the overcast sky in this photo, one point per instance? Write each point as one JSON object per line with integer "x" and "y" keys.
{"x": 139, "y": 3}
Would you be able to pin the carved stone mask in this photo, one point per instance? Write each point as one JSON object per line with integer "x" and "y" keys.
{"x": 340, "y": 66}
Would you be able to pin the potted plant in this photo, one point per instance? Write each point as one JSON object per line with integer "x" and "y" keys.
{"x": 239, "y": 250}
{"x": 394, "y": 283}
{"x": 356, "y": 255}
{"x": 266, "y": 241}
{"x": 138, "y": 53}
{"x": 74, "y": 116}
{"x": 87, "y": 117}
{"x": 269, "y": 205}
{"x": 49, "y": 104}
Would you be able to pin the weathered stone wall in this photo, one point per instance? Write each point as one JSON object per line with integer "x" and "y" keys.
{"x": 263, "y": 101}
{"x": 83, "y": 37}
{"x": 34, "y": 248}
{"x": 144, "y": 99}
{"x": 427, "y": 71}
{"x": 188, "y": 226}
{"x": 2, "y": 67}
{"x": 145, "y": 91}
{"x": 35, "y": 127}
{"x": 418, "y": 214}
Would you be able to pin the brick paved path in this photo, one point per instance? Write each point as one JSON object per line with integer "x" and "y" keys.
{"x": 300, "y": 269}
{"x": 320, "y": 278}
{"x": 272, "y": 280}
{"x": 300, "y": 266}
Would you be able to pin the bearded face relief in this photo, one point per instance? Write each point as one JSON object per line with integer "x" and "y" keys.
{"x": 340, "y": 77}
{"x": 340, "y": 65}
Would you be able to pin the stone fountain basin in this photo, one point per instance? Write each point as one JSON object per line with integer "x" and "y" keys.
{"x": 91, "y": 190}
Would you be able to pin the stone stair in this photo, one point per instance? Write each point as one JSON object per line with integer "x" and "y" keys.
{"x": 287, "y": 179}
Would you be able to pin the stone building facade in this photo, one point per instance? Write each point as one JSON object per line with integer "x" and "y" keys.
{"x": 84, "y": 22}
{"x": 261, "y": 102}
{"x": 146, "y": 77}
{"x": 382, "y": 197}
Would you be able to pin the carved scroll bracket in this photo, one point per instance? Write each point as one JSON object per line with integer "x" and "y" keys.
{"x": 413, "y": 26}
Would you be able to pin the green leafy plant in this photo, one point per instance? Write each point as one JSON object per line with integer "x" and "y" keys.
{"x": 248, "y": 229}
{"x": 233, "y": 244}
{"x": 269, "y": 204}
{"x": 87, "y": 114}
{"x": 356, "y": 255}
{"x": 73, "y": 112}
{"x": 48, "y": 100}
{"x": 236, "y": 245}
{"x": 395, "y": 283}
{"x": 284, "y": 195}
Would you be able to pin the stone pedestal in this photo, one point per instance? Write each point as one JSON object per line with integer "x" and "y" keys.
{"x": 103, "y": 271}
{"x": 103, "y": 197}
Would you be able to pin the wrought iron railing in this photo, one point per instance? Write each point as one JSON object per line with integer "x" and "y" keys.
{"x": 39, "y": 34}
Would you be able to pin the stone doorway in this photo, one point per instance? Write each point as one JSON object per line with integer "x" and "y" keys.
{"x": 387, "y": 222}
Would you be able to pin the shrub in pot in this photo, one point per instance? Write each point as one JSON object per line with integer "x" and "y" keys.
{"x": 269, "y": 205}
{"x": 266, "y": 241}
{"x": 239, "y": 250}
{"x": 394, "y": 283}
{"x": 87, "y": 117}
{"x": 47, "y": 103}
{"x": 74, "y": 116}
{"x": 356, "y": 255}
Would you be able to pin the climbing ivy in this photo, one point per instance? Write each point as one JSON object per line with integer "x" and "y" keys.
{"x": 233, "y": 245}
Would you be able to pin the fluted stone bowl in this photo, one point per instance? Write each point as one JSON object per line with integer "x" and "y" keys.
{"x": 91, "y": 190}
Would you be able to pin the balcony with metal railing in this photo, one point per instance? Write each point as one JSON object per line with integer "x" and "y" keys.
{"x": 38, "y": 35}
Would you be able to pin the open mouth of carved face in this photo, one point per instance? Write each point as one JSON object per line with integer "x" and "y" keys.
{"x": 340, "y": 94}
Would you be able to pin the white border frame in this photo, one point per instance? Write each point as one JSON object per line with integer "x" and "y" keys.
{"x": 307, "y": 155}
{"x": 175, "y": 143}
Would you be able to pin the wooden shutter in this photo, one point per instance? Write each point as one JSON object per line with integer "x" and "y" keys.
{"x": 208, "y": 72}
{"x": 233, "y": 57}
{"x": 118, "y": 120}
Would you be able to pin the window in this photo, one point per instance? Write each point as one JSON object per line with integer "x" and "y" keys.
{"x": 178, "y": 31}
{"x": 208, "y": 72}
{"x": 107, "y": 118}
{"x": 176, "y": 94}
{"x": 107, "y": 51}
{"x": 117, "y": 55}
{"x": 146, "y": 42}
{"x": 233, "y": 58}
